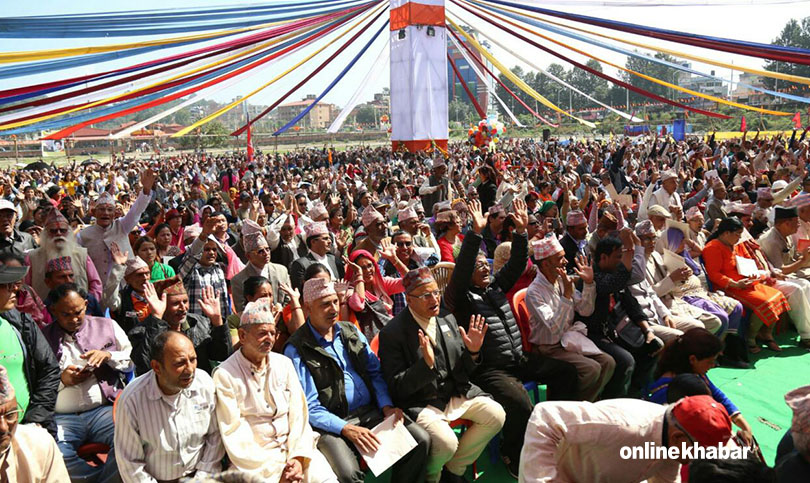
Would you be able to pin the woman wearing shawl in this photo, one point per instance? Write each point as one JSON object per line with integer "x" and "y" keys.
{"x": 766, "y": 303}
{"x": 369, "y": 299}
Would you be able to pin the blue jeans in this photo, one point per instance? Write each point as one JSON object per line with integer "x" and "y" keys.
{"x": 76, "y": 429}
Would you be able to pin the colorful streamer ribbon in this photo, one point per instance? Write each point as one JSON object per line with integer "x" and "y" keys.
{"x": 760, "y": 72}
{"x": 377, "y": 67}
{"x": 639, "y": 74}
{"x": 753, "y": 49}
{"x": 515, "y": 79}
{"x": 499, "y": 81}
{"x": 307, "y": 78}
{"x": 595, "y": 72}
{"x": 247, "y": 96}
{"x": 485, "y": 82}
{"x": 542, "y": 24}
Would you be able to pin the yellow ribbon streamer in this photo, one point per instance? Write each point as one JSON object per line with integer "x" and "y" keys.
{"x": 644, "y": 76}
{"x": 32, "y": 55}
{"x": 512, "y": 77}
{"x": 764, "y": 73}
{"x": 244, "y": 98}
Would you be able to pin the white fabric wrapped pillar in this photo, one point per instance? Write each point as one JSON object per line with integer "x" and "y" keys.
{"x": 418, "y": 75}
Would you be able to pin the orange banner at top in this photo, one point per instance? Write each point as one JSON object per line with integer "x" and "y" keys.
{"x": 411, "y": 13}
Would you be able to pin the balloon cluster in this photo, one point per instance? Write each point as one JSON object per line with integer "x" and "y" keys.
{"x": 487, "y": 133}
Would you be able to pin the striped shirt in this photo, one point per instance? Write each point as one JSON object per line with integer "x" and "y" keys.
{"x": 551, "y": 314}
{"x": 165, "y": 437}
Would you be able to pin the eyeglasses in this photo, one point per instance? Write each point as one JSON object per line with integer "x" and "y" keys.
{"x": 404, "y": 244}
{"x": 11, "y": 287}
{"x": 436, "y": 294}
{"x": 58, "y": 231}
{"x": 11, "y": 417}
{"x": 262, "y": 251}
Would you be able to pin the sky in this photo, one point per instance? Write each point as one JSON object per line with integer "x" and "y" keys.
{"x": 751, "y": 20}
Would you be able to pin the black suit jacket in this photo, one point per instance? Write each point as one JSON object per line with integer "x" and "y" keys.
{"x": 411, "y": 383}
{"x": 300, "y": 266}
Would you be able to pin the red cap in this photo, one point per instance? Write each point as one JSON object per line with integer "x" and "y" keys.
{"x": 705, "y": 419}
{"x": 172, "y": 214}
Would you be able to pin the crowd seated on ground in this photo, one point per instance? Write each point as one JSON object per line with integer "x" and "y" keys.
{"x": 200, "y": 317}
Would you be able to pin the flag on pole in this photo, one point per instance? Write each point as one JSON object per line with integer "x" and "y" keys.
{"x": 797, "y": 121}
{"x": 249, "y": 143}
{"x": 743, "y": 127}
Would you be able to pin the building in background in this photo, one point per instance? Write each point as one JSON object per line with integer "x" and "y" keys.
{"x": 454, "y": 88}
{"x": 320, "y": 117}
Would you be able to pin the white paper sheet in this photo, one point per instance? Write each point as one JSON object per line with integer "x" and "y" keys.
{"x": 395, "y": 442}
{"x": 625, "y": 200}
{"x": 747, "y": 267}
{"x": 673, "y": 261}
{"x": 710, "y": 174}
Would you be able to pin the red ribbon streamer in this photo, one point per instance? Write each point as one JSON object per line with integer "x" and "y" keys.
{"x": 482, "y": 114}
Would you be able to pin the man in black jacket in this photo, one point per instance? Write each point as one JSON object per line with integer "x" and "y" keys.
{"x": 619, "y": 263}
{"x": 504, "y": 366}
{"x": 319, "y": 243}
{"x": 208, "y": 332}
{"x": 26, "y": 355}
{"x": 427, "y": 361}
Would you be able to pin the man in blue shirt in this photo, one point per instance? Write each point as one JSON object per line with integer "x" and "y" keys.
{"x": 345, "y": 390}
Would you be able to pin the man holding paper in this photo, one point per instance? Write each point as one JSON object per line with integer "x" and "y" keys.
{"x": 345, "y": 391}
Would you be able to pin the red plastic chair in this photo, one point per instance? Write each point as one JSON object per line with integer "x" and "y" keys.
{"x": 95, "y": 454}
{"x": 522, "y": 317}
{"x": 462, "y": 425}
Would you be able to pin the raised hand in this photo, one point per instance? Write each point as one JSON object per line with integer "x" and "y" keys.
{"x": 148, "y": 178}
{"x": 157, "y": 305}
{"x": 119, "y": 257}
{"x": 584, "y": 269}
{"x": 209, "y": 304}
{"x": 474, "y": 339}
{"x": 479, "y": 220}
{"x": 520, "y": 216}
{"x": 291, "y": 292}
{"x": 387, "y": 250}
{"x": 427, "y": 349}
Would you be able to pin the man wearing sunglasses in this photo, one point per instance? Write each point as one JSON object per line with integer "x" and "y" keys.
{"x": 12, "y": 240}
{"x": 27, "y": 453}
{"x": 29, "y": 360}
{"x": 427, "y": 361}
{"x": 258, "y": 256}
{"x": 56, "y": 241}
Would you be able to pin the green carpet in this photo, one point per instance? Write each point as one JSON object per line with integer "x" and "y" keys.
{"x": 758, "y": 392}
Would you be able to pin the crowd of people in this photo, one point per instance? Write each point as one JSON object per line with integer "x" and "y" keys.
{"x": 200, "y": 317}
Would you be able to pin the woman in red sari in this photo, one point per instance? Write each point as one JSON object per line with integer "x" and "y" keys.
{"x": 766, "y": 302}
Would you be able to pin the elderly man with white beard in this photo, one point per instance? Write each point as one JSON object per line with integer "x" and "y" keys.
{"x": 56, "y": 241}
{"x": 99, "y": 237}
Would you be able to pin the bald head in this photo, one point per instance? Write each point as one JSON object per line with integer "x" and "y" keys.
{"x": 174, "y": 361}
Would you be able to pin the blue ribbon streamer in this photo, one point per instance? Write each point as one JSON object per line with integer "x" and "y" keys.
{"x": 138, "y": 23}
